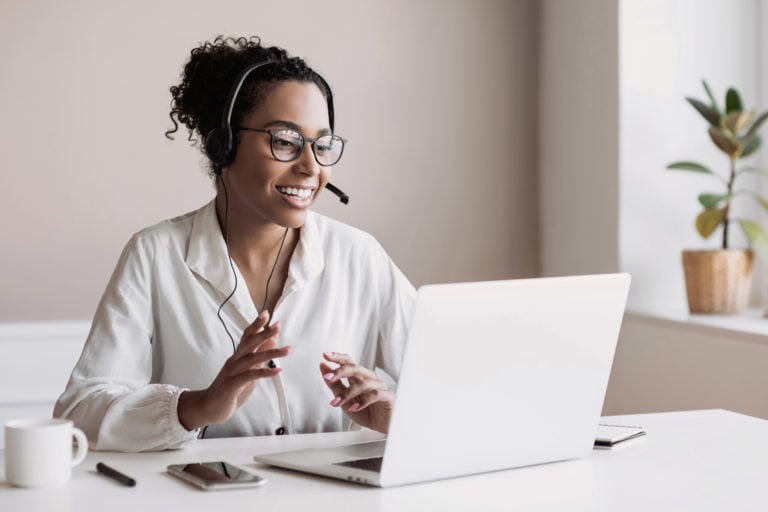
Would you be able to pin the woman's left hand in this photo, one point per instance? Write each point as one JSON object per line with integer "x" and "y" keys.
{"x": 366, "y": 400}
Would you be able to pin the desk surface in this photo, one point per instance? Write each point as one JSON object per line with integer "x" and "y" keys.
{"x": 695, "y": 460}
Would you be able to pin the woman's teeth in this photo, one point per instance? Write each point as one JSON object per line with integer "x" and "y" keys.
{"x": 301, "y": 193}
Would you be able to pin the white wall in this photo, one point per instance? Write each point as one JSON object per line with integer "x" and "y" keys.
{"x": 436, "y": 97}
{"x": 667, "y": 48}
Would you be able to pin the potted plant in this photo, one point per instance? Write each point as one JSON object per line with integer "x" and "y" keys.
{"x": 718, "y": 281}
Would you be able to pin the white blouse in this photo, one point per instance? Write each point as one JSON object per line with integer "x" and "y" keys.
{"x": 156, "y": 333}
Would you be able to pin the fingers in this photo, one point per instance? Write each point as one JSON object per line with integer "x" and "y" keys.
{"x": 257, "y": 359}
{"x": 354, "y": 395}
{"x": 354, "y": 373}
{"x": 366, "y": 399}
{"x": 241, "y": 370}
{"x": 247, "y": 376}
{"x": 258, "y": 345}
{"x": 351, "y": 372}
{"x": 365, "y": 387}
{"x": 256, "y": 334}
{"x": 336, "y": 386}
{"x": 261, "y": 321}
{"x": 338, "y": 358}
{"x": 260, "y": 348}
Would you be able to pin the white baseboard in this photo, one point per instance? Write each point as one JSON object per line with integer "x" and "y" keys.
{"x": 65, "y": 330}
{"x": 36, "y": 359}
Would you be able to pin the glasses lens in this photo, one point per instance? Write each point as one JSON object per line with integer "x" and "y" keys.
{"x": 328, "y": 149}
{"x": 286, "y": 144}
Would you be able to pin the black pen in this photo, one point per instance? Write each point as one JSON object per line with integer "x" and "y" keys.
{"x": 113, "y": 473}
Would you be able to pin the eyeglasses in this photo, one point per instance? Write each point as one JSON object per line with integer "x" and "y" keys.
{"x": 288, "y": 144}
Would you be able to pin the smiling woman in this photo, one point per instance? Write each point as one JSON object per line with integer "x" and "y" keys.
{"x": 161, "y": 365}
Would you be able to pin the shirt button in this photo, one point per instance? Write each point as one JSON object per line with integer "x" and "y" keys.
{"x": 280, "y": 431}
{"x": 271, "y": 364}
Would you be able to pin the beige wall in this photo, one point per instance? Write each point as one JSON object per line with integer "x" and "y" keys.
{"x": 438, "y": 99}
{"x": 667, "y": 365}
{"x": 579, "y": 137}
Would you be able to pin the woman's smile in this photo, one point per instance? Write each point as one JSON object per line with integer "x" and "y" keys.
{"x": 297, "y": 195}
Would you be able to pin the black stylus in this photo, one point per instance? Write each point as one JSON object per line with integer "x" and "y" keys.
{"x": 115, "y": 474}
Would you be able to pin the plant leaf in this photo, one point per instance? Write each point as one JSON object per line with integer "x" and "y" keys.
{"x": 763, "y": 201}
{"x": 689, "y": 166}
{"x": 755, "y": 170}
{"x": 723, "y": 141}
{"x": 744, "y": 119}
{"x": 710, "y": 201}
{"x": 756, "y": 236}
{"x": 751, "y": 146}
{"x": 708, "y": 220}
{"x": 728, "y": 121}
{"x": 713, "y": 102}
{"x": 706, "y": 112}
{"x": 732, "y": 101}
{"x": 756, "y": 125}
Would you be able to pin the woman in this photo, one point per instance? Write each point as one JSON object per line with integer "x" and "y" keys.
{"x": 252, "y": 315}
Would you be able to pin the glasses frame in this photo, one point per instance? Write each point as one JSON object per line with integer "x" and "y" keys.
{"x": 304, "y": 138}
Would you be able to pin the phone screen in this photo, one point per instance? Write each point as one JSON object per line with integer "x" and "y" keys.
{"x": 209, "y": 475}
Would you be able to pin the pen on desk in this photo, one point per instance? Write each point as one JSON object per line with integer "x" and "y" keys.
{"x": 113, "y": 473}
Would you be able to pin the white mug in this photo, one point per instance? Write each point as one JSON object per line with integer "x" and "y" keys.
{"x": 38, "y": 452}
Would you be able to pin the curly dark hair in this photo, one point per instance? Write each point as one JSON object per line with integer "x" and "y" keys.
{"x": 199, "y": 99}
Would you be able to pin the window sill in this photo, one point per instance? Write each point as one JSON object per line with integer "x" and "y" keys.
{"x": 749, "y": 325}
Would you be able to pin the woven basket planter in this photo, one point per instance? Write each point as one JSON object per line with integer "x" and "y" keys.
{"x": 717, "y": 281}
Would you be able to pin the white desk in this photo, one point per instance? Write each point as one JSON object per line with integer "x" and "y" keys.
{"x": 697, "y": 460}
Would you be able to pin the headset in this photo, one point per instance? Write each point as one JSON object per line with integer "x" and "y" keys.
{"x": 219, "y": 143}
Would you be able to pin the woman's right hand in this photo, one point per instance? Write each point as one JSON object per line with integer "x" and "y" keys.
{"x": 236, "y": 379}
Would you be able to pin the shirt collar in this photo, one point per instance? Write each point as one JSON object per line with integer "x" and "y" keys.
{"x": 308, "y": 261}
{"x": 207, "y": 257}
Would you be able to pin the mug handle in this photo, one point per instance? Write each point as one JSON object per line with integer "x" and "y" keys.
{"x": 82, "y": 446}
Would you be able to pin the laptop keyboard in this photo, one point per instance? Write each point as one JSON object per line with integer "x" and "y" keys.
{"x": 373, "y": 464}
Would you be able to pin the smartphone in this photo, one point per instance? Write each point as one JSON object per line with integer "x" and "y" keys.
{"x": 217, "y": 475}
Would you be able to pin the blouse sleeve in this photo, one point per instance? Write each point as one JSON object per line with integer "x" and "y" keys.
{"x": 397, "y": 299}
{"x": 109, "y": 395}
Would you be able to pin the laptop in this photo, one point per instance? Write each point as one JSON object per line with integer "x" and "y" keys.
{"x": 496, "y": 375}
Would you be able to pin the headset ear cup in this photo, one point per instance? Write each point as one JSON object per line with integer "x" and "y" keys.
{"x": 218, "y": 146}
